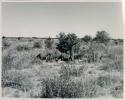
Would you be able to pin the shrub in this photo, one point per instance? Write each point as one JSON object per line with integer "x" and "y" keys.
{"x": 76, "y": 71}
{"x": 104, "y": 81}
{"x": 56, "y": 53}
{"x": 49, "y": 42}
{"x": 22, "y": 47}
{"x": 36, "y": 91}
{"x": 109, "y": 79}
{"x": 60, "y": 88}
{"x": 64, "y": 72}
{"x": 57, "y": 87}
{"x": 5, "y": 43}
{"x": 37, "y": 44}
{"x": 117, "y": 91}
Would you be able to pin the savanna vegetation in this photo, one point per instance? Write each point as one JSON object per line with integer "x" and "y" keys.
{"x": 62, "y": 67}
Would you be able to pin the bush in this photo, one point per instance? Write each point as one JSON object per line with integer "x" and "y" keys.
{"x": 49, "y": 43}
{"x": 69, "y": 89}
{"x": 22, "y": 47}
{"x": 37, "y": 44}
{"x": 104, "y": 81}
{"x": 110, "y": 79}
{"x": 60, "y": 88}
{"x": 5, "y": 43}
{"x": 56, "y": 53}
{"x": 36, "y": 91}
{"x": 117, "y": 91}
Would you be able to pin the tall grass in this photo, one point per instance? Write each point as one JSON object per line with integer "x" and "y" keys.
{"x": 90, "y": 88}
{"x": 71, "y": 70}
{"x": 114, "y": 61}
{"x": 112, "y": 64}
{"x": 23, "y": 71}
{"x": 58, "y": 88}
{"x": 11, "y": 58}
{"x": 53, "y": 88}
{"x": 110, "y": 79}
{"x": 16, "y": 79}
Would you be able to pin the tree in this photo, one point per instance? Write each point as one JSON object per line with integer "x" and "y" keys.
{"x": 102, "y": 37}
{"x": 49, "y": 42}
{"x": 62, "y": 45}
{"x": 66, "y": 43}
{"x": 76, "y": 48}
{"x": 87, "y": 38}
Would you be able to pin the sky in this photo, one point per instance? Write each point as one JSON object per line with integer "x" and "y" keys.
{"x": 38, "y": 19}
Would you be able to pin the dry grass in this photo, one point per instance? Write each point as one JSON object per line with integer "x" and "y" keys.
{"x": 74, "y": 70}
{"x": 61, "y": 89}
{"x": 26, "y": 76}
{"x": 16, "y": 79}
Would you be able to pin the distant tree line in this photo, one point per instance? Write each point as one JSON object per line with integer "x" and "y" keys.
{"x": 69, "y": 43}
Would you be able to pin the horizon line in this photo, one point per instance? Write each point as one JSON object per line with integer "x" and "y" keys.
{"x": 45, "y": 37}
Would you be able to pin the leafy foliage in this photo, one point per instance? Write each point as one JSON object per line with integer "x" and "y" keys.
{"x": 49, "y": 42}
{"x": 87, "y": 38}
{"x": 37, "y": 44}
{"x": 66, "y": 42}
{"x": 102, "y": 37}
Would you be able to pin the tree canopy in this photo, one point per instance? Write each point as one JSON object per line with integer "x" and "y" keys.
{"x": 66, "y": 42}
{"x": 102, "y": 37}
{"x": 87, "y": 38}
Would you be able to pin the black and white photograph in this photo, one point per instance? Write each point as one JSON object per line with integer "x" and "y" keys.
{"x": 62, "y": 50}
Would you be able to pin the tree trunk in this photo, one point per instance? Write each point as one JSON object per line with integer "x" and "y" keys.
{"x": 70, "y": 51}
